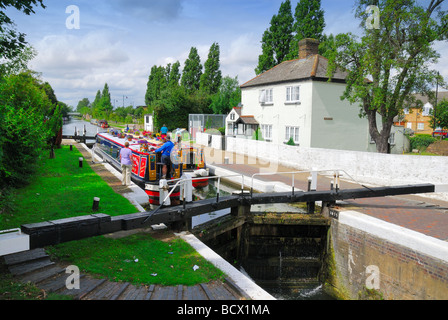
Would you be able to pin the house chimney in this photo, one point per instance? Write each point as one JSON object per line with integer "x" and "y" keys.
{"x": 308, "y": 47}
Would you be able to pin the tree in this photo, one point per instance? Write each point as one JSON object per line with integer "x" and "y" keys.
{"x": 309, "y": 23}
{"x": 175, "y": 75}
{"x": 29, "y": 122}
{"x": 157, "y": 82}
{"x": 211, "y": 78}
{"x": 266, "y": 59}
{"x": 83, "y": 105}
{"x": 96, "y": 103}
{"x": 390, "y": 63}
{"x": 441, "y": 116}
{"x": 277, "y": 39}
{"x": 12, "y": 43}
{"x": 191, "y": 75}
{"x": 106, "y": 106}
{"x": 228, "y": 96}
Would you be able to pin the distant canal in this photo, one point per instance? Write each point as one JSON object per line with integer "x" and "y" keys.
{"x": 79, "y": 125}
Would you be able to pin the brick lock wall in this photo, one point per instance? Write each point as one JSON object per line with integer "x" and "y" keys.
{"x": 395, "y": 272}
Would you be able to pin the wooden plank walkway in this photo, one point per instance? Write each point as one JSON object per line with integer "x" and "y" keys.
{"x": 35, "y": 266}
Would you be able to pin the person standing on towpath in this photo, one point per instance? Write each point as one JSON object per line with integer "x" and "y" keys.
{"x": 126, "y": 164}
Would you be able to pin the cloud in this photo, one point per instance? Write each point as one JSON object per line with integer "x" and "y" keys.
{"x": 241, "y": 57}
{"x": 72, "y": 56}
{"x": 154, "y": 10}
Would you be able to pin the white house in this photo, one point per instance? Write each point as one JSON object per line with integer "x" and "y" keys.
{"x": 295, "y": 100}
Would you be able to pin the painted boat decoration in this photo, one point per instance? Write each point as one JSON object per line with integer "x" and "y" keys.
{"x": 147, "y": 166}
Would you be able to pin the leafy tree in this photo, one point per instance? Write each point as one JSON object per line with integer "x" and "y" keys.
{"x": 211, "y": 78}
{"x": 106, "y": 106}
{"x": 441, "y": 115}
{"x": 83, "y": 104}
{"x": 309, "y": 23}
{"x": 387, "y": 65}
{"x": 175, "y": 75}
{"x": 12, "y": 43}
{"x": 191, "y": 75}
{"x": 173, "y": 108}
{"x": 96, "y": 103}
{"x": 29, "y": 121}
{"x": 157, "y": 82}
{"x": 266, "y": 59}
{"x": 277, "y": 39}
{"x": 228, "y": 96}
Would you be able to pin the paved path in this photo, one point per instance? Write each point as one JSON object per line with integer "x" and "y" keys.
{"x": 422, "y": 214}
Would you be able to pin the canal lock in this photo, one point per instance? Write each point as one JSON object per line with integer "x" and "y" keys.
{"x": 284, "y": 253}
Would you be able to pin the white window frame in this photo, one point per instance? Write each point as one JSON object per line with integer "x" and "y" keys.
{"x": 420, "y": 126}
{"x": 266, "y": 131}
{"x": 292, "y": 94}
{"x": 293, "y": 132}
{"x": 267, "y": 96}
{"x": 426, "y": 112}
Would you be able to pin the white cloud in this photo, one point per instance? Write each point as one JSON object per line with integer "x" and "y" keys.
{"x": 240, "y": 58}
{"x": 72, "y": 55}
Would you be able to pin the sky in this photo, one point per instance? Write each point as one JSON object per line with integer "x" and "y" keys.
{"x": 118, "y": 41}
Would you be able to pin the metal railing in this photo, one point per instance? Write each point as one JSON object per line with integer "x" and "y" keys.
{"x": 180, "y": 181}
{"x": 312, "y": 180}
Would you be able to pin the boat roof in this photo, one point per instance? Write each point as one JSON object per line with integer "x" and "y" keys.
{"x": 134, "y": 144}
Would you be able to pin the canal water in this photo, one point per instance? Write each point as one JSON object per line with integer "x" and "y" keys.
{"x": 280, "y": 290}
{"x": 304, "y": 292}
{"x": 78, "y": 126}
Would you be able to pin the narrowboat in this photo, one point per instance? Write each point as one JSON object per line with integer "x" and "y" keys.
{"x": 147, "y": 166}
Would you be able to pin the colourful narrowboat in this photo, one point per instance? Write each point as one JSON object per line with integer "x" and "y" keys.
{"x": 147, "y": 166}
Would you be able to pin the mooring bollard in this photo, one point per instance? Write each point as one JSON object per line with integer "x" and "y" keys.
{"x": 312, "y": 186}
{"x": 96, "y": 204}
{"x": 80, "y": 162}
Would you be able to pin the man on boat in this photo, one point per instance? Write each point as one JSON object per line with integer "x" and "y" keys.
{"x": 163, "y": 131}
{"x": 166, "y": 153}
{"x": 126, "y": 164}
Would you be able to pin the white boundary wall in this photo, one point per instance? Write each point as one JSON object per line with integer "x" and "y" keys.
{"x": 366, "y": 167}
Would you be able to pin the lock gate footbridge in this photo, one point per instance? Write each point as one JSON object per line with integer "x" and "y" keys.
{"x": 179, "y": 217}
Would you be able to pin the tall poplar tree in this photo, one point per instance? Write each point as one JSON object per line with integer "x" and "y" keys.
{"x": 309, "y": 23}
{"x": 276, "y": 39}
{"x": 106, "y": 104}
{"x": 157, "y": 82}
{"x": 175, "y": 75}
{"x": 212, "y": 77}
{"x": 191, "y": 75}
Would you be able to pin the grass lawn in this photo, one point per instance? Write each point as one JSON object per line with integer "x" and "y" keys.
{"x": 138, "y": 259}
{"x": 60, "y": 190}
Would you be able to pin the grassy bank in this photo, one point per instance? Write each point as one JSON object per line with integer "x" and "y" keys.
{"x": 61, "y": 189}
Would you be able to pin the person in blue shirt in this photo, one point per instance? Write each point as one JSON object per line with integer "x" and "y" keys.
{"x": 166, "y": 153}
{"x": 163, "y": 131}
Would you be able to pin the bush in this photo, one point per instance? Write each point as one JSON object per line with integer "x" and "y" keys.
{"x": 26, "y": 128}
{"x": 421, "y": 141}
{"x": 290, "y": 142}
